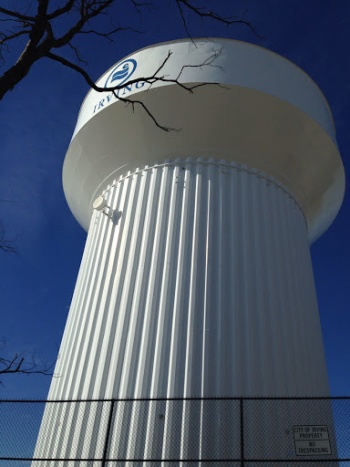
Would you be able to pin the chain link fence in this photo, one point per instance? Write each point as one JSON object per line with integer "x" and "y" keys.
{"x": 251, "y": 432}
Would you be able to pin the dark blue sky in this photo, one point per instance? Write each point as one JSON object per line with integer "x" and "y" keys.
{"x": 36, "y": 123}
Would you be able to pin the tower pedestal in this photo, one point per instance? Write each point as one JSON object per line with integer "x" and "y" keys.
{"x": 201, "y": 285}
{"x": 196, "y": 282}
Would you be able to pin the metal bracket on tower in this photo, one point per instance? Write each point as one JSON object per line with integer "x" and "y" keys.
{"x": 100, "y": 204}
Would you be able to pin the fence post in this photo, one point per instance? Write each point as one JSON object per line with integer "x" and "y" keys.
{"x": 242, "y": 431}
{"x": 108, "y": 432}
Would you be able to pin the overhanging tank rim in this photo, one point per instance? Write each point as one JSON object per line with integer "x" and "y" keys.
{"x": 223, "y": 39}
{"x": 292, "y": 192}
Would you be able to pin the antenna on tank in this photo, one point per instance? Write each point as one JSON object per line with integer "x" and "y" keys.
{"x": 100, "y": 204}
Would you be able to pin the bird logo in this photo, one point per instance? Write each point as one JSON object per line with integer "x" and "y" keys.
{"x": 121, "y": 73}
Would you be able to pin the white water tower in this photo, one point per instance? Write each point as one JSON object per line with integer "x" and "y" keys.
{"x": 196, "y": 279}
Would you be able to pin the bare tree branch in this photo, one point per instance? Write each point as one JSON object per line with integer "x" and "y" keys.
{"x": 155, "y": 77}
{"x": 25, "y": 363}
{"x": 108, "y": 35}
{"x": 15, "y": 14}
{"x": 203, "y": 12}
{"x": 9, "y": 37}
{"x": 77, "y": 54}
{"x": 61, "y": 11}
{"x": 79, "y": 16}
{"x": 89, "y": 10}
{"x": 6, "y": 38}
{"x": 133, "y": 102}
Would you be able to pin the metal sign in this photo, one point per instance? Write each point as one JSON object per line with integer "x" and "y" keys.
{"x": 311, "y": 440}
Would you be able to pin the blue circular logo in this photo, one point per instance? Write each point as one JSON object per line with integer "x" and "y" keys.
{"x": 121, "y": 73}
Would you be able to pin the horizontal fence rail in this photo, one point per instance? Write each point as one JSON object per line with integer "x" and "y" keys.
{"x": 249, "y": 432}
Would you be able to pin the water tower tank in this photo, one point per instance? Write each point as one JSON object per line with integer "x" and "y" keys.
{"x": 196, "y": 279}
